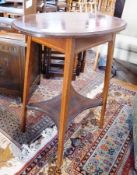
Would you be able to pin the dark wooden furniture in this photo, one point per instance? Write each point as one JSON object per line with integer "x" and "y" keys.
{"x": 12, "y": 60}
{"x": 53, "y": 63}
{"x": 13, "y": 50}
{"x": 61, "y": 32}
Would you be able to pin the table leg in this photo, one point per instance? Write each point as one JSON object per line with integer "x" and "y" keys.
{"x": 107, "y": 78}
{"x": 26, "y": 82}
{"x": 68, "y": 69}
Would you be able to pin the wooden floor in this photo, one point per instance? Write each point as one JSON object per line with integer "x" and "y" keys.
{"x": 126, "y": 71}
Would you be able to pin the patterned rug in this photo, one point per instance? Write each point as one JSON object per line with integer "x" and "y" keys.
{"x": 88, "y": 149}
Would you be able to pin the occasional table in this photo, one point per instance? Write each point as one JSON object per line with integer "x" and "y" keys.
{"x": 69, "y": 33}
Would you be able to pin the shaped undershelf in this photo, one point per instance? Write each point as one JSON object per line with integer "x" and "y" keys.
{"x": 78, "y": 103}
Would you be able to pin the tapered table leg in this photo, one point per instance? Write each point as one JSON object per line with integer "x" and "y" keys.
{"x": 68, "y": 69}
{"x": 26, "y": 82}
{"x": 107, "y": 78}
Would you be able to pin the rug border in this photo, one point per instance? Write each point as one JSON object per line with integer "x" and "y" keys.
{"x": 124, "y": 84}
{"x": 121, "y": 83}
{"x": 30, "y": 161}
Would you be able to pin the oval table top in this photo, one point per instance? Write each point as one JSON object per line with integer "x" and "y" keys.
{"x": 68, "y": 24}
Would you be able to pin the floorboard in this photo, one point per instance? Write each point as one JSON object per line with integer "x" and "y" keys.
{"x": 126, "y": 71}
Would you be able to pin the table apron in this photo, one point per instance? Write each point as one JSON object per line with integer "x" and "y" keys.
{"x": 81, "y": 44}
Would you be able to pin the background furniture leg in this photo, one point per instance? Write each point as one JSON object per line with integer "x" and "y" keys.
{"x": 83, "y": 61}
{"x": 96, "y": 58}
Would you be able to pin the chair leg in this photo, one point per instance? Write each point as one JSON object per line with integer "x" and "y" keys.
{"x": 78, "y": 63}
{"x": 83, "y": 61}
{"x": 96, "y": 58}
{"x": 47, "y": 60}
{"x": 75, "y": 67}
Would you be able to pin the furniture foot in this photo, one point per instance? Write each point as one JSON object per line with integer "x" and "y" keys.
{"x": 54, "y": 170}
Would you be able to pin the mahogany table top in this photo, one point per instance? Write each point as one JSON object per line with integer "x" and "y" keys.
{"x": 68, "y": 24}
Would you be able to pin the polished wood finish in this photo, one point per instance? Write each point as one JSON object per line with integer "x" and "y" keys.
{"x": 66, "y": 24}
{"x": 91, "y": 31}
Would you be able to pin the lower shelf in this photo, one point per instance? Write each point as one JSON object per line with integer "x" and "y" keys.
{"x": 78, "y": 103}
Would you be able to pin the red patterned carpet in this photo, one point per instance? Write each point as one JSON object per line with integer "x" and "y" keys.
{"x": 88, "y": 149}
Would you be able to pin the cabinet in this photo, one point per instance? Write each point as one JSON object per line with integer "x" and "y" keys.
{"x": 12, "y": 59}
{"x": 13, "y": 51}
